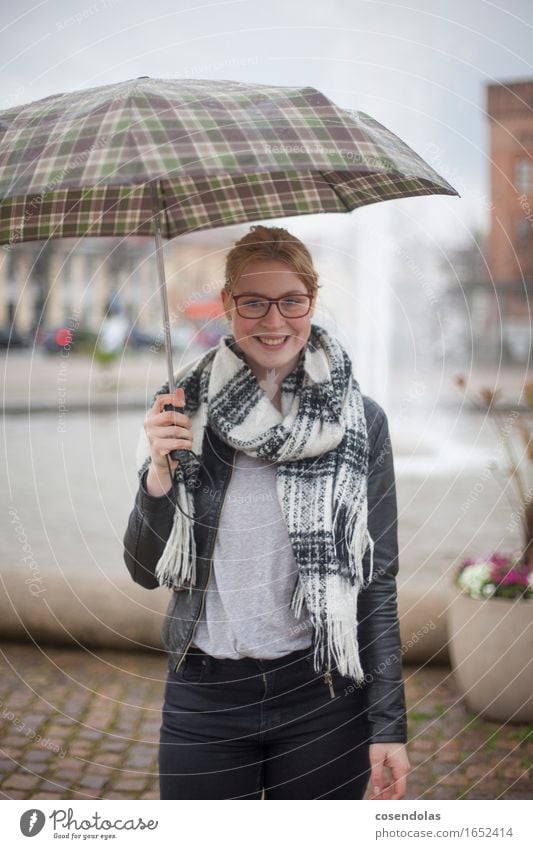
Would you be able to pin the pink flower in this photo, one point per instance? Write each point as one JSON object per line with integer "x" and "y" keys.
{"x": 500, "y": 560}
{"x": 515, "y": 577}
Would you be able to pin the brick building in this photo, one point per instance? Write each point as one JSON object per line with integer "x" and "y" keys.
{"x": 510, "y": 243}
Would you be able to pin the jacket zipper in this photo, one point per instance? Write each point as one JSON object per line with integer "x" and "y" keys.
{"x": 329, "y": 681}
{"x": 182, "y": 658}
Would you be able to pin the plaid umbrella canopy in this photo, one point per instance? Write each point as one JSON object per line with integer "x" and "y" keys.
{"x": 169, "y": 157}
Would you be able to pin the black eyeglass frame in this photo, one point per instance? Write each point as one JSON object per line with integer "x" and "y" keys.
{"x": 271, "y": 301}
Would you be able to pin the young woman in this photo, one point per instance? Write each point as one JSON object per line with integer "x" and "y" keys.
{"x": 278, "y": 538}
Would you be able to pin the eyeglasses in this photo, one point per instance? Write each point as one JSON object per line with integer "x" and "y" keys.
{"x": 290, "y": 306}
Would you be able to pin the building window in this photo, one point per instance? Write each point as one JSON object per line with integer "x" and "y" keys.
{"x": 524, "y": 174}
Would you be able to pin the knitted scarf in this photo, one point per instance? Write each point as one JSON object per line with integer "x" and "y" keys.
{"x": 319, "y": 444}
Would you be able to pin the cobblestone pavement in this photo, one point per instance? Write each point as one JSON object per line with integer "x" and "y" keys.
{"x": 80, "y": 725}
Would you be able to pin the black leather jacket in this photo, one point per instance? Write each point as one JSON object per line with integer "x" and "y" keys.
{"x": 149, "y": 527}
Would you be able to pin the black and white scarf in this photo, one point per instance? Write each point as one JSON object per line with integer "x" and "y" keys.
{"x": 319, "y": 444}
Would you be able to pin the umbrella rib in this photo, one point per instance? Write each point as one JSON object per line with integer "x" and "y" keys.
{"x": 334, "y": 190}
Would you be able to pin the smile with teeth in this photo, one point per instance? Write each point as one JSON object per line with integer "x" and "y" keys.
{"x": 272, "y": 341}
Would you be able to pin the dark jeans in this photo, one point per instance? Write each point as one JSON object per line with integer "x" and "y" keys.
{"x": 232, "y": 728}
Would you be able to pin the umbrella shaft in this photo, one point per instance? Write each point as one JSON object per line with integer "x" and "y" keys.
{"x": 162, "y": 282}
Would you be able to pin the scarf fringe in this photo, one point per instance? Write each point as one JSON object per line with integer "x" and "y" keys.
{"x": 341, "y": 629}
{"x": 177, "y": 565}
{"x": 358, "y": 541}
{"x": 335, "y": 641}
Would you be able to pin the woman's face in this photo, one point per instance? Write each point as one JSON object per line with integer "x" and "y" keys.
{"x": 271, "y": 279}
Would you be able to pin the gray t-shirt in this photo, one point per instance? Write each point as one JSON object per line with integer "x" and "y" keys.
{"x": 246, "y": 611}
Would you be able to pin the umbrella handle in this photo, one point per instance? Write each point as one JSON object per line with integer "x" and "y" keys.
{"x": 181, "y": 454}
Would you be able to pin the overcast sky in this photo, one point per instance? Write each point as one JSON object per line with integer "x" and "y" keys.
{"x": 419, "y": 67}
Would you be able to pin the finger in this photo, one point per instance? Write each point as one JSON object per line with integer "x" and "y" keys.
{"x": 170, "y": 432}
{"x": 385, "y": 786}
{"x": 168, "y": 444}
{"x": 160, "y": 401}
{"x": 160, "y": 458}
{"x": 161, "y": 416}
{"x": 399, "y": 785}
{"x": 376, "y": 781}
{"x": 169, "y": 418}
{"x": 165, "y": 446}
{"x": 177, "y": 399}
{"x": 174, "y": 414}
{"x": 386, "y": 792}
{"x": 399, "y": 789}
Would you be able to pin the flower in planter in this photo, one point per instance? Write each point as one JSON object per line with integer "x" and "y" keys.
{"x": 498, "y": 576}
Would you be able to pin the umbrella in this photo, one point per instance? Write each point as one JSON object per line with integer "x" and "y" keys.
{"x": 167, "y": 157}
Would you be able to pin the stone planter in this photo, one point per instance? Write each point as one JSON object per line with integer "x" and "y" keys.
{"x": 491, "y": 651}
